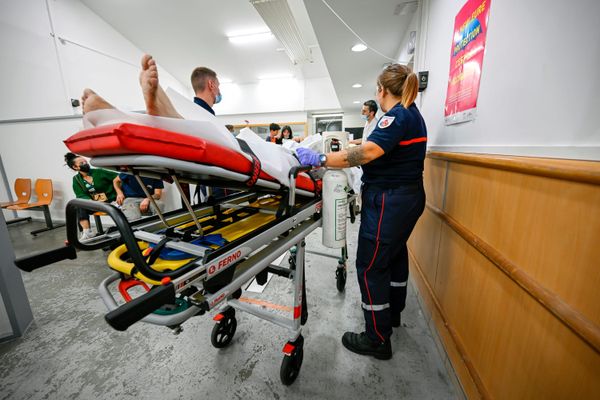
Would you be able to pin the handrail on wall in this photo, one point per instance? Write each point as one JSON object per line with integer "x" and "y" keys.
{"x": 570, "y": 170}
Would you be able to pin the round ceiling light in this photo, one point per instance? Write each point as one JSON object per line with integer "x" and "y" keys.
{"x": 357, "y": 85}
{"x": 359, "y": 47}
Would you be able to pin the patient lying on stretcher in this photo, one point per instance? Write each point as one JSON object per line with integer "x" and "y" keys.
{"x": 161, "y": 113}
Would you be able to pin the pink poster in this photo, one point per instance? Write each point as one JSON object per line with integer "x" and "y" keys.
{"x": 466, "y": 60}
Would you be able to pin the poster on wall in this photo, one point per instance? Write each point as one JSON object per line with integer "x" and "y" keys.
{"x": 466, "y": 61}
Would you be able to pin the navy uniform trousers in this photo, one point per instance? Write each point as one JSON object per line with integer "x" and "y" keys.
{"x": 387, "y": 219}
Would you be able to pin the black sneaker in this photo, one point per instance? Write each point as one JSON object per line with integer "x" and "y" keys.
{"x": 360, "y": 343}
{"x": 396, "y": 321}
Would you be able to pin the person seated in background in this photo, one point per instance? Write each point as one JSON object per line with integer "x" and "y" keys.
{"x": 274, "y": 135}
{"x": 133, "y": 200}
{"x": 91, "y": 184}
{"x": 368, "y": 111}
{"x": 230, "y": 128}
{"x": 286, "y": 134}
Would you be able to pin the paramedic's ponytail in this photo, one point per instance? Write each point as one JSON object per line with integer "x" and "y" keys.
{"x": 410, "y": 89}
{"x": 401, "y": 82}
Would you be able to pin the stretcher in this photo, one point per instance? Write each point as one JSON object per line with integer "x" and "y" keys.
{"x": 196, "y": 260}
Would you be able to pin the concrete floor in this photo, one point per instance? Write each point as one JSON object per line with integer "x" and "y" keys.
{"x": 70, "y": 351}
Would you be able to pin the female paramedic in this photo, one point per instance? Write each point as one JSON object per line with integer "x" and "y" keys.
{"x": 92, "y": 184}
{"x": 393, "y": 199}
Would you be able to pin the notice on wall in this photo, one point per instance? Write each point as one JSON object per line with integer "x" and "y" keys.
{"x": 466, "y": 61}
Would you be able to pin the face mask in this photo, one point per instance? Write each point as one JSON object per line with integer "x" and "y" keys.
{"x": 364, "y": 117}
{"x": 218, "y": 98}
{"x": 84, "y": 168}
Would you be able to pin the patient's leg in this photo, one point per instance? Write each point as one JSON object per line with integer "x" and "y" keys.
{"x": 90, "y": 101}
{"x": 157, "y": 102}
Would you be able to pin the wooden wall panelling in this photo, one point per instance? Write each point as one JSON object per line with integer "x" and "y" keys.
{"x": 568, "y": 170}
{"x": 517, "y": 347}
{"x": 453, "y": 348}
{"x": 548, "y": 227}
{"x": 434, "y": 177}
{"x": 424, "y": 243}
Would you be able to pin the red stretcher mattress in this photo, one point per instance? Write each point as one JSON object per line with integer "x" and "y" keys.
{"x": 127, "y": 138}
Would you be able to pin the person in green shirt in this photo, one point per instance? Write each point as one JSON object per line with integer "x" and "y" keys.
{"x": 92, "y": 184}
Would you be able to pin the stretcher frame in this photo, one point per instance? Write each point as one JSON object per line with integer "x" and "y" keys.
{"x": 257, "y": 253}
{"x": 235, "y": 263}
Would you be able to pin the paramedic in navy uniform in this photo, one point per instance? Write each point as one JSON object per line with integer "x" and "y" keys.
{"x": 393, "y": 200}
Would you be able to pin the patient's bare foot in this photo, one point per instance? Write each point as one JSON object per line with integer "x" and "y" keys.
{"x": 149, "y": 84}
{"x": 90, "y": 101}
{"x": 157, "y": 102}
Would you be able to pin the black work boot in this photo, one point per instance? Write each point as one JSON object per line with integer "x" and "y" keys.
{"x": 396, "y": 321}
{"x": 360, "y": 343}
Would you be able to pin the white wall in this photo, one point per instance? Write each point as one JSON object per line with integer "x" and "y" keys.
{"x": 28, "y": 65}
{"x": 319, "y": 94}
{"x": 263, "y": 118}
{"x": 33, "y": 86}
{"x": 403, "y": 56}
{"x": 276, "y": 96}
{"x": 539, "y": 92}
{"x": 353, "y": 119}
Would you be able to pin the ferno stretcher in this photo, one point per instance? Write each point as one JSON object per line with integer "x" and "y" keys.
{"x": 197, "y": 259}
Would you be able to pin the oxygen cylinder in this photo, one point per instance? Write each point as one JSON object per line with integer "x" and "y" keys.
{"x": 335, "y": 206}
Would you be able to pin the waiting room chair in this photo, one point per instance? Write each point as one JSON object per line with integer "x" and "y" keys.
{"x": 23, "y": 191}
{"x": 44, "y": 192}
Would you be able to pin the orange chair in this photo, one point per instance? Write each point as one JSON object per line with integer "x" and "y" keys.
{"x": 23, "y": 192}
{"x": 44, "y": 192}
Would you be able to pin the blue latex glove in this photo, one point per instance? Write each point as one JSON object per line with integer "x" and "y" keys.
{"x": 308, "y": 157}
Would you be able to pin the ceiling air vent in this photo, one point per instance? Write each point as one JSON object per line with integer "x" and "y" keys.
{"x": 278, "y": 17}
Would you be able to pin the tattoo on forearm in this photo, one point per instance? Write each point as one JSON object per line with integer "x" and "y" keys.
{"x": 355, "y": 156}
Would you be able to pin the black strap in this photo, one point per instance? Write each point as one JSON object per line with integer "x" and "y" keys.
{"x": 314, "y": 181}
{"x": 82, "y": 184}
{"x": 256, "y": 166}
{"x": 283, "y": 204}
{"x": 155, "y": 252}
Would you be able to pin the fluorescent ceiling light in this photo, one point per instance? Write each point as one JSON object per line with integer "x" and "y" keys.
{"x": 359, "y": 47}
{"x": 275, "y": 76}
{"x": 254, "y": 37}
{"x": 225, "y": 80}
{"x": 356, "y": 102}
{"x": 278, "y": 17}
{"x": 357, "y": 85}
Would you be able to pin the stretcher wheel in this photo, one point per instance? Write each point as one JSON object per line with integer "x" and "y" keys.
{"x": 292, "y": 361}
{"x": 340, "y": 277}
{"x": 224, "y": 329}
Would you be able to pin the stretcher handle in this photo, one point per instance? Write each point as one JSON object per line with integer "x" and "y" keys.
{"x": 96, "y": 206}
{"x": 39, "y": 260}
{"x": 295, "y": 171}
{"x": 126, "y": 236}
{"x": 133, "y": 311}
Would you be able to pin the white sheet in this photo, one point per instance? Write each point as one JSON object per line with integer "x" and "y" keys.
{"x": 276, "y": 160}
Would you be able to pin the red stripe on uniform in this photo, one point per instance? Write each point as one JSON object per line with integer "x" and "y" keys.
{"x": 297, "y": 312}
{"x": 411, "y": 141}
{"x": 371, "y": 264}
